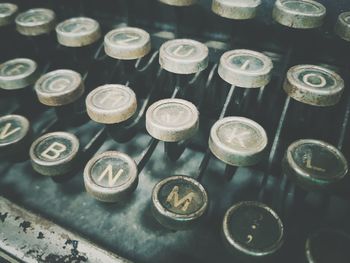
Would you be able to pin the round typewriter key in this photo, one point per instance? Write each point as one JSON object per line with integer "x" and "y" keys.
{"x": 302, "y": 14}
{"x": 18, "y": 73}
{"x": 253, "y": 230}
{"x": 34, "y": 22}
{"x": 78, "y": 32}
{"x": 179, "y": 202}
{"x": 7, "y": 13}
{"x": 238, "y": 141}
{"x": 342, "y": 27}
{"x": 14, "y": 134}
{"x": 314, "y": 165}
{"x": 326, "y": 246}
{"x": 127, "y": 43}
{"x": 55, "y": 153}
{"x": 183, "y": 56}
{"x": 172, "y": 120}
{"x": 111, "y": 176}
{"x": 59, "y": 87}
{"x": 111, "y": 103}
{"x": 314, "y": 85}
{"x": 179, "y": 2}
{"x": 236, "y": 9}
{"x": 245, "y": 68}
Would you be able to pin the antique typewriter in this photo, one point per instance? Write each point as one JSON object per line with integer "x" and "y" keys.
{"x": 175, "y": 131}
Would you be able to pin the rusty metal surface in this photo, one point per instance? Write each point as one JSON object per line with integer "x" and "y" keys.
{"x": 30, "y": 238}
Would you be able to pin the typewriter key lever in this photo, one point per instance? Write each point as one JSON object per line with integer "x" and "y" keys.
{"x": 127, "y": 44}
{"x": 300, "y": 14}
{"x": 112, "y": 105}
{"x": 78, "y": 35}
{"x": 253, "y": 232}
{"x": 61, "y": 89}
{"x": 173, "y": 121}
{"x": 327, "y": 245}
{"x": 16, "y": 77}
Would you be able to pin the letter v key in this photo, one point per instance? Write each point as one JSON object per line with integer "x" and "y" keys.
{"x": 6, "y": 132}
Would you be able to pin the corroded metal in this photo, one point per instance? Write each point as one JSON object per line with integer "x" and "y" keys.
{"x": 31, "y": 238}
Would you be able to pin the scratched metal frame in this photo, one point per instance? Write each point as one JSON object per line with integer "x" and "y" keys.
{"x": 129, "y": 229}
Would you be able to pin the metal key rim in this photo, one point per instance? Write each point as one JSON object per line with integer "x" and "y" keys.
{"x": 36, "y": 23}
{"x": 171, "y": 134}
{"x": 279, "y": 4}
{"x": 7, "y": 18}
{"x": 253, "y": 252}
{"x": 168, "y": 214}
{"x": 301, "y": 172}
{"x": 60, "y": 98}
{"x": 106, "y": 194}
{"x": 138, "y": 49}
{"x": 70, "y": 137}
{"x": 309, "y": 94}
{"x": 219, "y": 148}
{"x": 111, "y": 116}
{"x": 74, "y": 39}
{"x": 26, "y": 126}
{"x": 180, "y": 65}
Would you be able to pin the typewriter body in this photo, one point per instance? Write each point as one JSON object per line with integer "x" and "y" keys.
{"x": 174, "y": 131}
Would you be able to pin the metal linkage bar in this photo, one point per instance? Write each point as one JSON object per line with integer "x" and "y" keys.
{"x": 26, "y": 237}
{"x": 205, "y": 161}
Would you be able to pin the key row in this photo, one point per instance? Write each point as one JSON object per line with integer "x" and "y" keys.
{"x": 180, "y": 202}
{"x": 309, "y": 84}
{"x": 301, "y": 14}
{"x": 237, "y": 141}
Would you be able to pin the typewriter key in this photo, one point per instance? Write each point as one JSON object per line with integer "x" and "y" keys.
{"x": 34, "y": 22}
{"x": 302, "y": 14}
{"x": 342, "y": 27}
{"x": 179, "y": 202}
{"x": 111, "y": 104}
{"x": 183, "y": 56}
{"x": 127, "y": 43}
{"x": 172, "y": 120}
{"x": 14, "y": 135}
{"x": 245, "y": 68}
{"x": 326, "y": 246}
{"x": 252, "y": 230}
{"x": 179, "y": 2}
{"x": 111, "y": 176}
{"x": 236, "y": 9}
{"x": 78, "y": 32}
{"x": 59, "y": 87}
{"x": 8, "y": 13}
{"x": 314, "y": 85}
{"x": 54, "y": 154}
{"x": 18, "y": 73}
{"x": 238, "y": 141}
{"x": 314, "y": 165}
